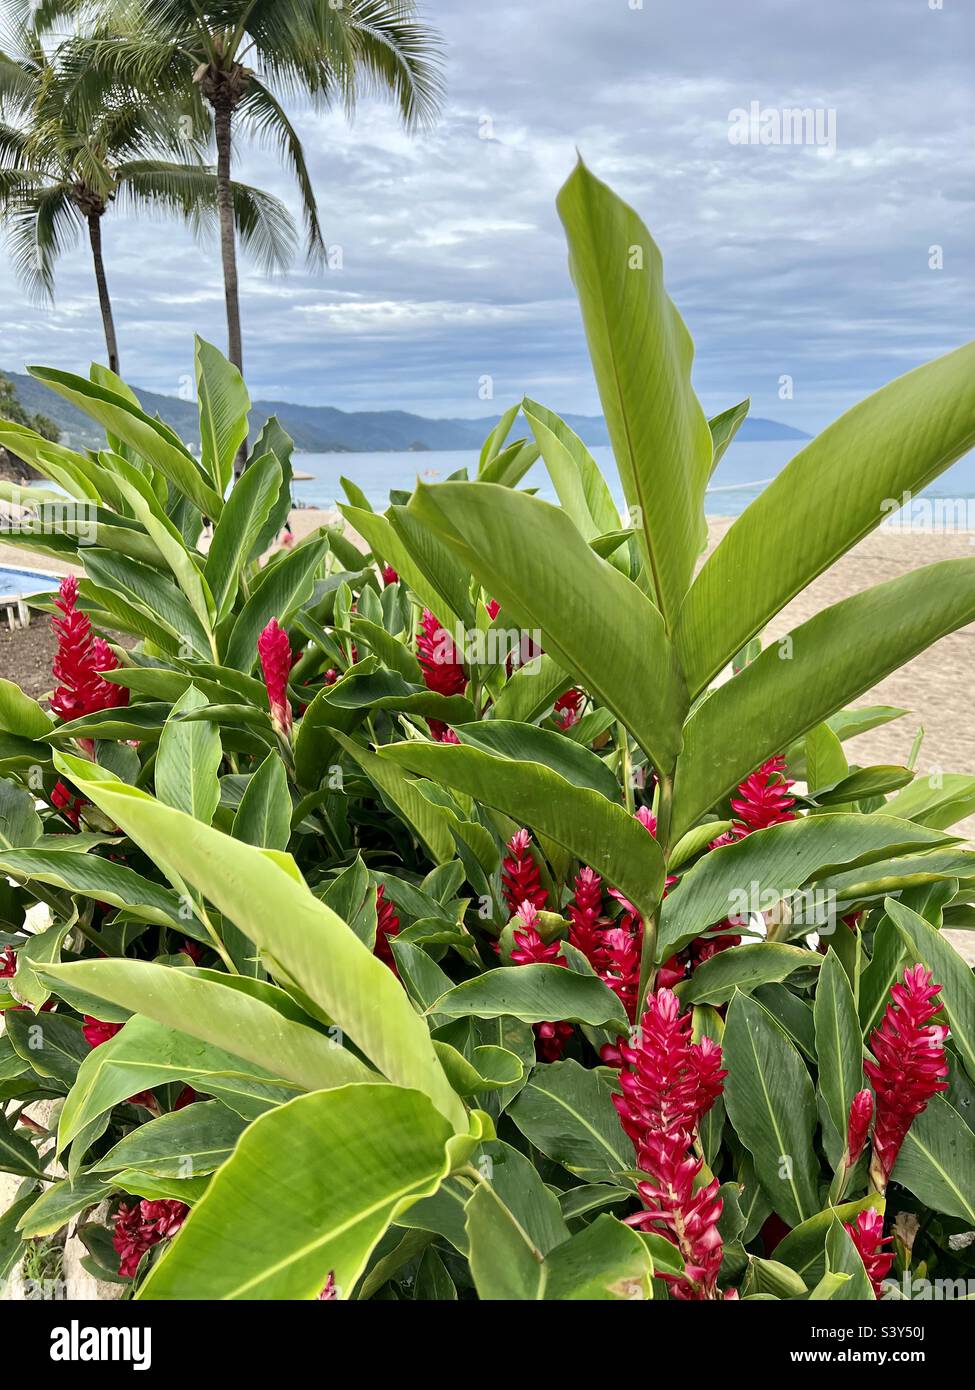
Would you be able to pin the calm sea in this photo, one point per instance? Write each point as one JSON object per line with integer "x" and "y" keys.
{"x": 740, "y": 476}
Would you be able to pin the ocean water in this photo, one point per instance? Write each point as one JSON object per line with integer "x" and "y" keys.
{"x": 745, "y": 469}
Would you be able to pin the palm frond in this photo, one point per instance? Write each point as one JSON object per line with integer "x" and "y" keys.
{"x": 264, "y": 115}
{"x": 40, "y": 227}
{"x": 400, "y": 56}
{"x": 265, "y": 226}
{"x": 266, "y": 229}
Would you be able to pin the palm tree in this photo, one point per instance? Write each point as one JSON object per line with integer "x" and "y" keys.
{"x": 233, "y": 61}
{"x": 64, "y": 163}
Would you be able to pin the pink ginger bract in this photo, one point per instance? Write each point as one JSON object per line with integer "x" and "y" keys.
{"x": 668, "y": 1083}
{"x": 909, "y": 1069}
{"x": 274, "y": 649}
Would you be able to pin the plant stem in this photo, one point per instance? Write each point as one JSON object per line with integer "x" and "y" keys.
{"x": 648, "y": 970}
{"x": 626, "y": 767}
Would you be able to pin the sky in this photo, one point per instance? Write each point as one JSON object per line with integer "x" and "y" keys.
{"x": 804, "y": 271}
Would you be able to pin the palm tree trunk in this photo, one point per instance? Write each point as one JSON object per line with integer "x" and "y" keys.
{"x": 228, "y": 250}
{"x": 104, "y": 300}
{"x": 228, "y": 239}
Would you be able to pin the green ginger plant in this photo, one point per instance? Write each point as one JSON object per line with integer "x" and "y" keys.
{"x": 419, "y": 913}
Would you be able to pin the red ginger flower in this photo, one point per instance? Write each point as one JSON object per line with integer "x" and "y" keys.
{"x": 519, "y": 874}
{"x": 493, "y": 608}
{"x": 530, "y": 948}
{"x": 669, "y": 1083}
{"x": 673, "y": 970}
{"x": 69, "y": 805}
{"x": 585, "y": 913}
{"x": 142, "y": 1225}
{"x": 868, "y": 1237}
{"x": 567, "y": 707}
{"x": 910, "y": 1066}
{"x": 387, "y": 925}
{"x": 613, "y": 951}
{"x": 442, "y": 732}
{"x": 686, "y": 1218}
{"x": 443, "y": 670}
{"x": 96, "y": 1032}
{"x": 861, "y": 1113}
{"x": 389, "y": 575}
{"x": 274, "y": 649}
{"x": 764, "y": 798}
{"x": 618, "y": 963}
{"x": 550, "y": 1040}
{"x": 79, "y": 659}
{"x": 702, "y": 948}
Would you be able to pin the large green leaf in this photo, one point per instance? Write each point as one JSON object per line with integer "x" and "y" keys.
{"x": 96, "y": 878}
{"x": 224, "y": 404}
{"x": 531, "y": 690}
{"x": 146, "y": 1053}
{"x": 451, "y": 579}
{"x": 264, "y": 815}
{"x": 221, "y": 1016}
{"x": 582, "y": 821}
{"x": 593, "y": 621}
{"x": 839, "y": 1044}
{"x": 527, "y": 744}
{"x": 431, "y": 822}
{"x": 308, "y": 1193}
{"x": 154, "y": 441}
{"x": 273, "y": 439}
{"x": 59, "y": 1203}
{"x": 779, "y": 859}
{"x": 771, "y": 1103}
{"x": 291, "y": 927}
{"x": 886, "y": 964}
{"x": 278, "y": 596}
{"x": 641, "y": 354}
{"x": 803, "y": 1248}
{"x": 21, "y": 715}
{"x": 583, "y": 491}
{"x": 566, "y": 1111}
{"x": 926, "y": 944}
{"x": 937, "y": 1161}
{"x": 939, "y": 800}
{"x": 606, "y": 1261}
{"x": 20, "y": 825}
{"x": 185, "y": 1143}
{"x": 248, "y": 508}
{"x": 535, "y": 994}
{"x": 145, "y": 505}
{"x": 71, "y": 471}
{"x": 835, "y": 656}
{"x": 152, "y": 594}
{"x": 188, "y": 760}
{"x": 836, "y": 490}
{"x": 744, "y": 968}
{"x": 842, "y": 1257}
{"x": 52, "y": 1044}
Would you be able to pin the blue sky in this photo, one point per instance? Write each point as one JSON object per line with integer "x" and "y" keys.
{"x": 784, "y": 260}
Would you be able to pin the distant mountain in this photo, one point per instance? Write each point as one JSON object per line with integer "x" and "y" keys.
{"x": 321, "y": 429}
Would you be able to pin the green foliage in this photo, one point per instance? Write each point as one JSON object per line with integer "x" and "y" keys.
{"x": 306, "y": 902}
